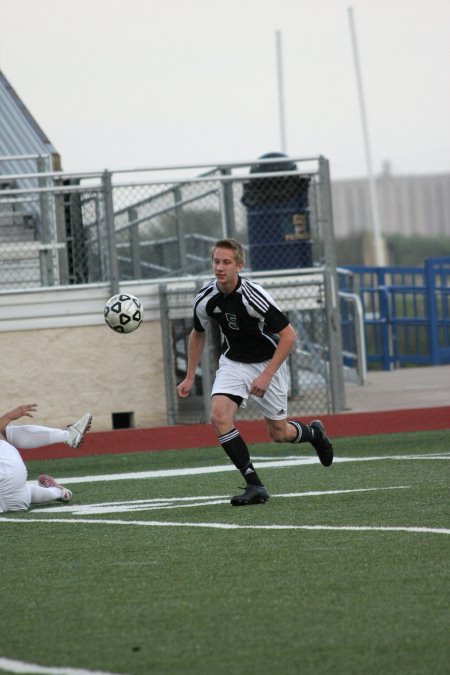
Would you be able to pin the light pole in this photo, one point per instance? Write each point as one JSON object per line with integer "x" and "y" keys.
{"x": 280, "y": 88}
{"x": 379, "y": 250}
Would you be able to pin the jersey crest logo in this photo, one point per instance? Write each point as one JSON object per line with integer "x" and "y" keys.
{"x": 232, "y": 321}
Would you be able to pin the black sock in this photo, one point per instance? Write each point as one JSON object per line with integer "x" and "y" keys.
{"x": 236, "y": 449}
{"x": 304, "y": 433}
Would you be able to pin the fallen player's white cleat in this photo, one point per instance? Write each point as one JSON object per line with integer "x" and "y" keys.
{"x": 77, "y": 431}
{"x": 47, "y": 481}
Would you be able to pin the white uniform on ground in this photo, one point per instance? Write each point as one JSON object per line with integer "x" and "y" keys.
{"x": 15, "y": 493}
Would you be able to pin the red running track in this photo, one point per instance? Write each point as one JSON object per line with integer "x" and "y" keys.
{"x": 122, "y": 441}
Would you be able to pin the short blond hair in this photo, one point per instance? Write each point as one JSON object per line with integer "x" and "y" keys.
{"x": 232, "y": 245}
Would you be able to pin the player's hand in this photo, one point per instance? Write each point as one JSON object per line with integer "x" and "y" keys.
{"x": 260, "y": 385}
{"x": 22, "y": 411}
{"x": 185, "y": 387}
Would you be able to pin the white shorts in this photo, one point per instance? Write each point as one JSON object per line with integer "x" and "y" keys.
{"x": 15, "y": 494}
{"x": 234, "y": 377}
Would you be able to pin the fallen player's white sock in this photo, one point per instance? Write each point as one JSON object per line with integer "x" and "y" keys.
{"x": 27, "y": 436}
{"x": 40, "y": 495}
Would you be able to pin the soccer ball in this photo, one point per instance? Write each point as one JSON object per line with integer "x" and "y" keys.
{"x": 124, "y": 313}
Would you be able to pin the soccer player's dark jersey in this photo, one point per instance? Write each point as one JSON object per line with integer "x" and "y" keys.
{"x": 248, "y": 317}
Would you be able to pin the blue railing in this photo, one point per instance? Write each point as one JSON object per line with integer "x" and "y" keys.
{"x": 406, "y": 313}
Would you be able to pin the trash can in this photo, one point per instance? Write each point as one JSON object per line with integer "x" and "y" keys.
{"x": 279, "y": 234}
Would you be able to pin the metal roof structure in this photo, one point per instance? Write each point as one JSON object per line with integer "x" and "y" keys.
{"x": 22, "y": 141}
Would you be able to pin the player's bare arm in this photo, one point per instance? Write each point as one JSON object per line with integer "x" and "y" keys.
{"x": 287, "y": 341}
{"x": 195, "y": 350}
{"x": 15, "y": 414}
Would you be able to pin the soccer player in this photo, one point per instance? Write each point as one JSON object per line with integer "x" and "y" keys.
{"x": 15, "y": 493}
{"x": 257, "y": 338}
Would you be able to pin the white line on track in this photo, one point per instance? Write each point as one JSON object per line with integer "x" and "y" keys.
{"x": 12, "y": 666}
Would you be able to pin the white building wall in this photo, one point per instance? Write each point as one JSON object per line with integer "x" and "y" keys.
{"x": 409, "y": 205}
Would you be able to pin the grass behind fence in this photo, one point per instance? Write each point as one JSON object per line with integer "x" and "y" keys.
{"x": 137, "y": 599}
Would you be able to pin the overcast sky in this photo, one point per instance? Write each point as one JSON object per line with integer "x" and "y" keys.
{"x": 138, "y": 83}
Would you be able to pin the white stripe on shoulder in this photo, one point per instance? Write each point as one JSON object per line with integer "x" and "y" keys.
{"x": 254, "y": 295}
{"x": 206, "y": 290}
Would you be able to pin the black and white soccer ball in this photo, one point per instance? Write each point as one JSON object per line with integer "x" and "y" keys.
{"x": 124, "y": 313}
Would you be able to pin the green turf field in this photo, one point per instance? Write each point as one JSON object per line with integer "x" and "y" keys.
{"x": 344, "y": 570}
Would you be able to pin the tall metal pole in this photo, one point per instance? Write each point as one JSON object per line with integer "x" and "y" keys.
{"x": 280, "y": 91}
{"x": 331, "y": 287}
{"x": 379, "y": 251}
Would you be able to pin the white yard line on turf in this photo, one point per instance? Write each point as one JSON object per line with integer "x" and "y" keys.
{"x": 12, "y": 666}
{"x": 233, "y": 526}
{"x": 184, "y": 502}
{"x": 274, "y": 464}
{"x": 431, "y": 455}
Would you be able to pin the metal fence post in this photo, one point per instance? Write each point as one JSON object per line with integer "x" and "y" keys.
{"x": 111, "y": 246}
{"x": 335, "y": 349}
{"x": 433, "y": 336}
{"x": 181, "y": 230}
{"x": 61, "y": 238}
{"x": 169, "y": 373}
{"x": 206, "y": 366}
{"x": 135, "y": 249}
{"x": 388, "y": 341}
{"x": 45, "y": 233}
{"x": 227, "y": 205}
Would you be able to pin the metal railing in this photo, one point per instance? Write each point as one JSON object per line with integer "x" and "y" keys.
{"x": 105, "y": 227}
{"x": 406, "y": 313}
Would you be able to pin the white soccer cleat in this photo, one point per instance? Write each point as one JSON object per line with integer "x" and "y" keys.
{"x": 77, "y": 431}
{"x": 66, "y": 495}
{"x": 47, "y": 481}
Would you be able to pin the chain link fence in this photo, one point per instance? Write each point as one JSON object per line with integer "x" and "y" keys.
{"x": 59, "y": 230}
{"x": 301, "y": 296}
